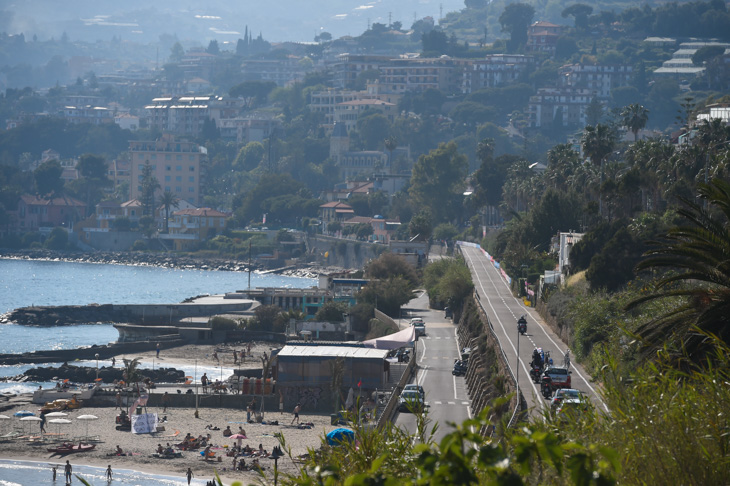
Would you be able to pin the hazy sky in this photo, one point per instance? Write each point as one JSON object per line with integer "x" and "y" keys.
{"x": 202, "y": 21}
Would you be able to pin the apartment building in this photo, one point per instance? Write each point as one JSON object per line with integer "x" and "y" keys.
{"x": 543, "y": 37}
{"x": 599, "y": 79}
{"x": 348, "y": 67}
{"x": 564, "y": 105}
{"x": 178, "y": 166}
{"x": 494, "y": 70}
{"x": 185, "y": 115}
{"x": 418, "y": 75}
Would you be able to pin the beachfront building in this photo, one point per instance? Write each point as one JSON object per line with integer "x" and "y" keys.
{"x": 179, "y": 167}
{"x": 42, "y": 214}
{"x": 189, "y": 227}
{"x": 304, "y": 374}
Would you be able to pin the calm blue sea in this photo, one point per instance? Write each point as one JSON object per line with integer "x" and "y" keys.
{"x": 26, "y": 473}
{"x": 24, "y": 283}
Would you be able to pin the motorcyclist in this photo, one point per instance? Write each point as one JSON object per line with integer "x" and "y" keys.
{"x": 536, "y": 359}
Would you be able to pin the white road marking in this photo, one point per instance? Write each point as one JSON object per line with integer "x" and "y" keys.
{"x": 437, "y": 403}
{"x": 496, "y": 316}
{"x": 451, "y": 403}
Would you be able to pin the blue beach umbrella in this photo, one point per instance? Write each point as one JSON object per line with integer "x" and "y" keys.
{"x": 23, "y": 413}
{"x": 340, "y": 435}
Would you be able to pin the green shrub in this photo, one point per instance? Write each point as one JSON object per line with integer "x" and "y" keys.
{"x": 139, "y": 245}
{"x": 220, "y": 323}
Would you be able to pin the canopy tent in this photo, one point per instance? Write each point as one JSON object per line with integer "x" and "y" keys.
{"x": 399, "y": 339}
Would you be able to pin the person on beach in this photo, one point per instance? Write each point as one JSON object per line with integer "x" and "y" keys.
{"x": 158, "y": 350}
{"x": 204, "y": 382}
{"x": 53, "y": 470}
{"x": 248, "y": 350}
{"x": 227, "y": 432}
{"x": 43, "y": 423}
{"x": 235, "y": 357}
{"x": 165, "y": 401}
{"x": 189, "y": 474}
{"x": 114, "y": 361}
{"x": 248, "y": 413}
{"x": 109, "y": 472}
{"x": 67, "y": 470}
{"x": 296, "y": 413}
{"x": 243, "y": 355}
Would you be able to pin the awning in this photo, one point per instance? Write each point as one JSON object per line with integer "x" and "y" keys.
{"x": 399, "y": 339}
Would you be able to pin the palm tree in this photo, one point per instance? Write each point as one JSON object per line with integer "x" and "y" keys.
{"x": 698, "y": 253}
{"x": 598, "y": 142}
{"x": 635, "y": 117}
{"x": 169, "y": 200}
{"x": 131, "y": 373}
{"x": 391, "y": 143}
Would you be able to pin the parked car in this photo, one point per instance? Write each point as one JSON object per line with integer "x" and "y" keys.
{"x": 459, "y": 368}
{"x": 564, "y": 394}
{"x": 413, "y": 386}
{"x": 410, "y": 401}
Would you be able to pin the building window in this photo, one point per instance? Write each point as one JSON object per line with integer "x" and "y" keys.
{"x": 168, "y": 157}
{"x": 167, "y": 188}
{"x": 192, "y": 168}
{"x": 153, "y": 156}
{"x": 168, "y": 167}
{"x": 178, "y": 189}
{"x": 178, "y": 178}
{"x": 167, "y": 178}
{"x": 191, "y": 179}
{"x": 178, "y": 157}
{"x": 192, "y": 158}
{"x": 191, "y": 189}
{"x": 178, "y": 168}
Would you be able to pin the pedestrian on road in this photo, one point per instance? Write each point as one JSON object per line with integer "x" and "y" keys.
{"x": 109, "y": 472}
{"x": 189, "y": 474}
{"x": 296, "y": 413}
{"x": 67, "y": 470}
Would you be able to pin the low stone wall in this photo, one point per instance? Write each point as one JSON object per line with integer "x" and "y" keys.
{"x": 564, "y": 332}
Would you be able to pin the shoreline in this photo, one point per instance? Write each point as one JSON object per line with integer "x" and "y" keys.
{"x": 164, "y": 260}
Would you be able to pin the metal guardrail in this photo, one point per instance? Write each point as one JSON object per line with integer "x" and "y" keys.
{"x": 387, "y": 414}
{"x": 520, "y": 398}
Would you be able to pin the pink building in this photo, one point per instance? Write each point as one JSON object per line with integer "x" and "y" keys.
{"x": 35, "y": 212}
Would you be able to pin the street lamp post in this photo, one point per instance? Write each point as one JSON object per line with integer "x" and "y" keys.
{"x": 518, "y": 367}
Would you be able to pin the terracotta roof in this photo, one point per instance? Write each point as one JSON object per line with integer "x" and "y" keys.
{"x": 132, "y": 203}
{"x": 336, "y": 204}
{"x": 56, "y": 201}
{"x": 205, "y": 212}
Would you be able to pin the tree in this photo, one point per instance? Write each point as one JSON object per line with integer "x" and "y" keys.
{"x": 176, "y": 53}
{"x": 634, "y": 118}
{"x": 580, "y": 12}
{"x": 594, "y": 112}
{"x": 437, "y": 182}
{"x": 390, "y": 265}
{"x": 252, "y": 91}
{"x": 58, "y": 239}
{"x": 391, "y": 143}
{"x": 387, "y": 295}
{"x": 168, "y": 200}
{"x": 213, "y": 48}
{"x": 516, "y": 19}
{"x": 250, "y": 156}
{"x": 706, "y": 53}
{"x": 696, "y": 253}
{"x": 421, "y": 225}
{"x": 331, "y": 312}
{"x": 149, "y": 184}
{"x": 48, "y": 178}
{"x": 598, "y": 142}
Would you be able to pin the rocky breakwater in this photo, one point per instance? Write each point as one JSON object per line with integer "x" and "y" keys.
{"x": 87, "y": 374}
{"x": 66, "y": 314}
{"x": 165, "y": 260}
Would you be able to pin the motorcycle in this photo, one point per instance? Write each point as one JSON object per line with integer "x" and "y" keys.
{"x": 546, "y": 387}
{"x": 522, "y": 325}
{"x": 535, "y": 373}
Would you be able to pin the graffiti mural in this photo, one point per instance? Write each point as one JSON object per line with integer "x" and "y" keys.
{"x": 309, "y": 396}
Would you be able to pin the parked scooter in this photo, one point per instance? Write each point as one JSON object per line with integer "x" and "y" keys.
{"x": 522, "y": 325}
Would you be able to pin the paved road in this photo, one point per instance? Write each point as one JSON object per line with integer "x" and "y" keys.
{"x": 446, "y": 395}
{"x": 504, "y": 309}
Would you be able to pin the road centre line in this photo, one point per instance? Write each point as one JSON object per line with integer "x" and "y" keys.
{"x": 496, "y": 316}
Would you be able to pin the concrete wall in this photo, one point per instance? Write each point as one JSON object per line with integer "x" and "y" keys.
{"x": 355, "y": 256}
{"x": 114, "y": 240}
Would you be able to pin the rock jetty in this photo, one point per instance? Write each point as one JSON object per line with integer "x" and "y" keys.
{"x": 87, "y": 374}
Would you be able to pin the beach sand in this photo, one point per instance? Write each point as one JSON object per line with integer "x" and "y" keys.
{"x": 141, "y": 446}
{"x": 181, "y": 420}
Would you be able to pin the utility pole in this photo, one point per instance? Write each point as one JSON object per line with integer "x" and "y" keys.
{"x": 390, "y": 19}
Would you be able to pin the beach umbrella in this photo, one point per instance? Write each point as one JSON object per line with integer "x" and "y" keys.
{"x": 30, "y": 419}
{"x": 350, "y": 399}
{"x": 87, "y": 418}
{"x": 340, "y": 435}
{"x": 59, "y": 421}
{"x": 23, "y": 413}
{"x": 238, "y": 437}
{"x": 56, "y": 414}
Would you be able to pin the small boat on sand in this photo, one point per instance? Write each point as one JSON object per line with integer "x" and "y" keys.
{"x": 72, "y": 448}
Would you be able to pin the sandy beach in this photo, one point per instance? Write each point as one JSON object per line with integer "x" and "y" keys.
{"x": 138, "y": 448}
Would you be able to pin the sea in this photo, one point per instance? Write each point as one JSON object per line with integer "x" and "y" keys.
{"x": 29, "y": 282}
